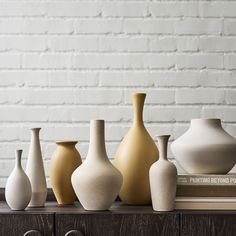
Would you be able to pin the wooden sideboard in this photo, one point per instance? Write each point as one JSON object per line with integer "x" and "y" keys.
{"x": 120, "y": 220}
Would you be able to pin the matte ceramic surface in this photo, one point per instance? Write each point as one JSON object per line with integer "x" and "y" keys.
{"x": 163, "y": 179}
{"x": 35, "y": 171}
{"x": 134, "y": 157}
{"x": 205, "y": 148}
{"x": 64, "y": 161}
{"x": 96, "y": 182}
{"x": 18, "y": 189}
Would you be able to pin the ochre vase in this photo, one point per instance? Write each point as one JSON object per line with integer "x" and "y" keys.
{"x": 64, "y": 161}
{"x": 134, "y": 157}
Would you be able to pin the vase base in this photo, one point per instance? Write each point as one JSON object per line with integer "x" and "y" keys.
{"x": 65, "y": 204}
{"x": 102, "y": 209}
{"x": 38, "y": 199}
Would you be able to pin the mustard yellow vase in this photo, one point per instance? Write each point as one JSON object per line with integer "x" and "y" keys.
{"x": 64, "y": 161}
{"x": 134, "y": 157}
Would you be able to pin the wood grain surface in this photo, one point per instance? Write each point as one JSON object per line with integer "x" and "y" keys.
{"x": 16, "y": 224}
{"x": 118, "y": 224}
{"x": 120, "y": 220}
{"x": 214, "y": 223}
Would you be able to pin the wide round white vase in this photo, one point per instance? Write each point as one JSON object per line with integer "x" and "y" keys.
{"x": 96, "y": 181}
{"x": 205, "y": 148}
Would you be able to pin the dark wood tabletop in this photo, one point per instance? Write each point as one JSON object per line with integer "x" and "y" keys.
{"x": 119, "y": 220}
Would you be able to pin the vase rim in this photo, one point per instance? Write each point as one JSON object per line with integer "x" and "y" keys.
{"x": 136, "y": 93}
{"x": 36, "y": 128}
{"x": 213, "y": 119}
{"x": 162, "y": 135}
{"x": 97, "y": 120}
{"x": 206, "y": 121}
{"x": 61, "y": 142}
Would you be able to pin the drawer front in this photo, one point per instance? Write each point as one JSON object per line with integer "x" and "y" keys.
{"x": 213, "y": 224}
{"x": 20, "y": 224}
{"x": 117, "y": 224}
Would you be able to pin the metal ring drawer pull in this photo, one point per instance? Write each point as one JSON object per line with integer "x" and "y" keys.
{"x": 33, "y": 233}
{"x": 74, "y": 232}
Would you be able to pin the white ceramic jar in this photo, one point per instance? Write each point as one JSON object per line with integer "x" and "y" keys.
{"x": 96, "y": 181}
{"x": 205, "y": 148}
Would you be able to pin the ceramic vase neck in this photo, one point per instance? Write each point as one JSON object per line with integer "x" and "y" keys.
{"x": 206, "y": 123}
{"x": 18, "y": 154}
{"x": 162, "y": 146}
{"x": 138, "y": 103}
{"x": 97, "y": 147}
{"x": 35, "y": 134}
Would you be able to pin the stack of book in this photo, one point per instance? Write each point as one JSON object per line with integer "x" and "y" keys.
{"x": 206, "y": 192}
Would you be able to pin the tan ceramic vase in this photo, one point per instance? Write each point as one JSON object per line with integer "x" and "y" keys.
{"x": 64, "y": 161}
{"x": 135, "y": 155}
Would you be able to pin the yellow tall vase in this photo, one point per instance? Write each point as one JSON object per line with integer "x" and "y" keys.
{"x": 134, "y": 157}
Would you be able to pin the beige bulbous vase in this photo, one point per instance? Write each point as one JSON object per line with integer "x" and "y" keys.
{"x": 64, "y": 161}
{"x": 96, "y": 182}
{"x": 163, "y": 179}
{"x": 134, "y": 157}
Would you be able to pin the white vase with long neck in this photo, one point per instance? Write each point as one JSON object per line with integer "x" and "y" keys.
{"x": 18, "y": 189}
{"x": 96, "y": 182}
{"x": 163, "y": 179}
{"x": 35, "y": 171}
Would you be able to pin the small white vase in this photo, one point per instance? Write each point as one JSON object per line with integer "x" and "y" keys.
{"x": 18, "y": 189}
{"x": 35, "y": 171}
{"x": 163, "y": 179}
{"x": 205, "y": 148}
{"x": 96, "y": 182}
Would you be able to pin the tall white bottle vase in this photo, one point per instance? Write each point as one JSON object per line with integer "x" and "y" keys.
{"x": 35, "y": 171}
{"x": 163, "y": 179}
{"x": 18, "y": 189}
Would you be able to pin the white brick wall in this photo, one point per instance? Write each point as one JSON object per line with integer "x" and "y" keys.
{"x": 63, "y": 63}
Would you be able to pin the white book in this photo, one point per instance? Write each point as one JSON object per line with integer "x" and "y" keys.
{"x": 205, "y": 203}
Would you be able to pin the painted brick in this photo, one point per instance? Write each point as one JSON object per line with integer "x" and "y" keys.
{"x": 230, "y": 96}
{"x": 226, "y": 113}
{"x": 197, "y": 26}
{"x": 217, "y": 44}
{"x": 63, "y": 63}
{"x": 173, "y": 9}
{"x": 200, "y": 96}
{"x": 73, "y": 9}
{"x": 98, "y": 26}
{"x": 124, "y": 9}
{"x": 152, "y": 26}
{"x": 229, "y": 27}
